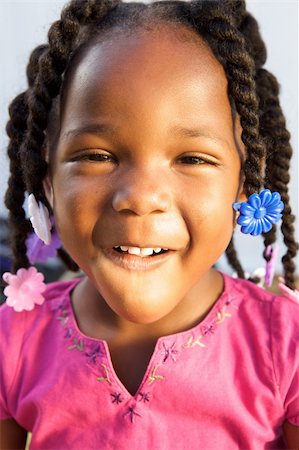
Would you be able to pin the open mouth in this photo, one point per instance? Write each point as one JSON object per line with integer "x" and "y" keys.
{"x": 142, "y": 252}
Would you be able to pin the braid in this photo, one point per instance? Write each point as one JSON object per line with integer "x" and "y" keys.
{"x": 277, "y": 165}
{"x": 232, "y": 259}
{"x": 15, "y": 194}
{"x": 248, "y": 26}
{"x": 67, "y": 260}
{"x": 276, "y": 138}
{"x": 256, "y": 47}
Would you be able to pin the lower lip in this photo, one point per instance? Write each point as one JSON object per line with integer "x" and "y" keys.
{"x": 133, "y": 262}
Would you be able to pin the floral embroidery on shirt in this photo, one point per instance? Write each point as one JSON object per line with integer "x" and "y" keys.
{"x": 132, "y": 414}
{"x": 222, "y": 315}
{"x": 106, "y": 377}
{"x": 154, "y": 376}
{"x": 169, "y": 352}
{"x": 210, "y": 328}
{"x": 63, "y": 317}
{"x": 78, "y": 344}
{"x": 193, "y": 342}
{"x": 116, "y": 398}
{"x": 95, "y": 354}
{"x": 144, "y": 397}
{"x": 68, "y": 333}
{"x": 231, "y": 301}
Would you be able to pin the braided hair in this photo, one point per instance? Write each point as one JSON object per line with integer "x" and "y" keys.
{"x": 232, "y": 34}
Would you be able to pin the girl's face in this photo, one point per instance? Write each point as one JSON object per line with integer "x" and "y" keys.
{"x": 146, "y": 158}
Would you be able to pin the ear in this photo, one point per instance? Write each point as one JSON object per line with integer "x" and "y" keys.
{"x": 242, "y": 197}
{"x": 47, "y": 184}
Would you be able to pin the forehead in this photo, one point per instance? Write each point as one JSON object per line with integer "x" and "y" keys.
{"x": 171, "y": 50}
{"x": 168, "y": 69}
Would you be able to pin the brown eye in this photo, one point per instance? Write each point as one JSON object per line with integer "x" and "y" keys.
{"x": 95, "y": 157}
{"x": 98, "y": 157}
{"x": 192, "y": 160}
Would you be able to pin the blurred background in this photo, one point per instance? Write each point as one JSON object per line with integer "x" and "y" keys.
{"x": 24, "y": 25}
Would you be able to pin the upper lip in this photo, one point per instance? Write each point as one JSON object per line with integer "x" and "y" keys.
{"x": 154, "y": 233}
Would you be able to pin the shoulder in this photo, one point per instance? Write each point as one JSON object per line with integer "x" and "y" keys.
{"x": 269, "y": 324}
{"x": 21, "y": 334}
{"x": 252, "y": 296}
{"x": 14, "y": 324}
{"x": 273, "y": 318}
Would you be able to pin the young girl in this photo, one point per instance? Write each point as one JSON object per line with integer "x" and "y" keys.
{"x": 147, "y": 133}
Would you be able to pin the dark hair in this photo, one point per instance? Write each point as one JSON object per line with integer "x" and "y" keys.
{"x": 233, "y": 35}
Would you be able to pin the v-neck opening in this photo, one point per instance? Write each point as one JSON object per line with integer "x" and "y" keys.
{"x": 101, "y": 348}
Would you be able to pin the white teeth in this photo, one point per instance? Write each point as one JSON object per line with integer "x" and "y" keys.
{"x": 134, "y": 251}
{"x": 146, "y": 251}
{"x": 140, "y": 251}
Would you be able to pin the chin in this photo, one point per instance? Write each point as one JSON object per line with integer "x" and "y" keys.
{"x": 143, "y": 311}
{"x": 142, "y": 319}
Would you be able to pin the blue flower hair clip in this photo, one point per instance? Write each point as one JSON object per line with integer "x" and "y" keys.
{"x": 260, "y": 212}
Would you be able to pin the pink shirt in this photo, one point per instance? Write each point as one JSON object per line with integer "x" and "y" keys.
{"x": 228, "y": 383}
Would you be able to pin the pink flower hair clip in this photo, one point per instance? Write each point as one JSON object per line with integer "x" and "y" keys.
{"x": 24, "y": 289}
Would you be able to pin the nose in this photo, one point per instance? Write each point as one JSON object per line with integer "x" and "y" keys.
{"x": 141, "y": 194}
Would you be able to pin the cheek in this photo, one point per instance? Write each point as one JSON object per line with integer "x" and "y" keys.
{"x": 76, "y": 207}
{"x": 211, "y": 217}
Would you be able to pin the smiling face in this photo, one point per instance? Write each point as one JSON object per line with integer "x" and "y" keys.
{"x": 146, "y": 158}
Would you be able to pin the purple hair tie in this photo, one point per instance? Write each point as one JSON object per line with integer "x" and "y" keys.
{"x": 38, "y": 251}
{"x": 272, "y": 253}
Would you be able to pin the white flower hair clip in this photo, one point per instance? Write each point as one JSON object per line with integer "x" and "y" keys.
{"x": 40, "y": 220}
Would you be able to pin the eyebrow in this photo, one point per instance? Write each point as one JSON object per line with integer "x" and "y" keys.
{"x": 194, "y": 133}
{"x": 96, "y": 128}
{"x": 101, "y": 129}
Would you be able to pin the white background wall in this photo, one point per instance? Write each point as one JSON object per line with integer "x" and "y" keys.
{"x": 24, "y": 25}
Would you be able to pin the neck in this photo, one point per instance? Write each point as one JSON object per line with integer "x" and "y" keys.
{"x": 96, "y": 319}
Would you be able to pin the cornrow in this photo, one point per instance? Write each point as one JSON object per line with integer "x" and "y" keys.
{"x": 233, "y": 35}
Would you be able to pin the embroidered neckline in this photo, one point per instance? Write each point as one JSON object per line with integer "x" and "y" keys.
{"x": 167, "y": 350}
